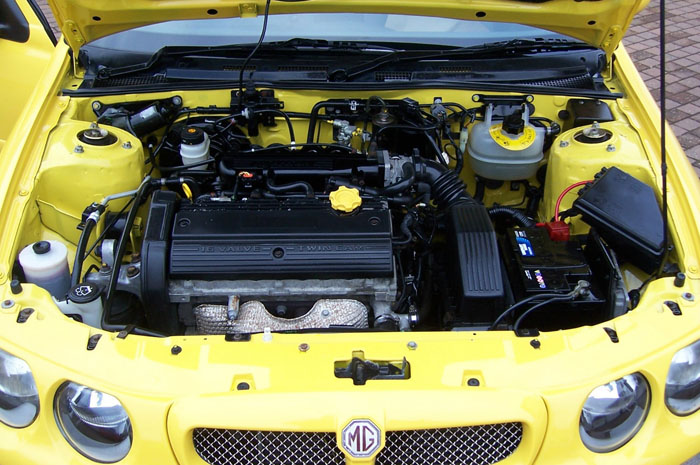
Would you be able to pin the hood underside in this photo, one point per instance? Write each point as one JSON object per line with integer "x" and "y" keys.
{"x": 601, "y": 23}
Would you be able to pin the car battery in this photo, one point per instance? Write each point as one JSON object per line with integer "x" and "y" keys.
{"x": 538, "y": 265}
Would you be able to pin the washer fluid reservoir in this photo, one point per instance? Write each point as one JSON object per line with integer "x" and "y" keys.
{"x": 507, "y": 150}
{"x": 45, "y": 263}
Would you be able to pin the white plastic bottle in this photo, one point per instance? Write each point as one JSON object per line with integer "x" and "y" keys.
{"x": 194, "y": 147}
{"x": 45, "y": 263}
{"x": 84, "y": 300}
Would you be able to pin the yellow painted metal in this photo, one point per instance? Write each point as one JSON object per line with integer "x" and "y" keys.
{"x": 23, "y": 65}
{"x": 168, "y": 395}
{"x": 75, "y": 174}
{"x": 22, "y": 154}
{"x": 601, "y": 23}
{"x": 571, "y": 161}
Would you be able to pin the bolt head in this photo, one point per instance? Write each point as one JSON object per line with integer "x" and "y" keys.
{"x": 8, "y": 303}
{"x": 564, "y": 143}
{"x": 79, "y": 149}
{"x": 688, "y": 296}
{"x": 610, "y": 148}
{"x": 96, "y": 105}
{"x": 175, "y": 350}
{"x": 126, "y": 145}
{"x": 412, "y": 345}
{"x": 303, "y": 347}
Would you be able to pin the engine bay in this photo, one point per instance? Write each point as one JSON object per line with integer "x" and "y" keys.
{"x": 180, "y": 214}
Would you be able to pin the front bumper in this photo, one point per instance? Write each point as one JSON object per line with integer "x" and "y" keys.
{"x": 169, "y": 393}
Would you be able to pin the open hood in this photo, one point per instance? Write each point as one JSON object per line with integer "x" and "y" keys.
{"x": 601, "y": 23}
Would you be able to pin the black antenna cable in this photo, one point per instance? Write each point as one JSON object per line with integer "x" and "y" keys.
{"x": 662, "y": 104}
{"x": 250, "y": 55}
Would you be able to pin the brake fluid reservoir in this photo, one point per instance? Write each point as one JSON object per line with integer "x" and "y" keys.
{"x": 506, "y": 151}
{"x": 45, "y": 263}
{"x": 194, "y": 147}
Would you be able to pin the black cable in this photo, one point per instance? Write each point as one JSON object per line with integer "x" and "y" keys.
{"x": 662, "y": 99}
{"x": 145, "y": 187}
{"x": 252, "y": 52}
{"x": 515, "y": 306}
{"x": 560, "y": 298}
{"x": 173, "y": 169}
{"x": 290, "y": 127}
{"x": 90, "y": 224}
{"x": 288, "y": 146}
{"x": 459, "y": 156}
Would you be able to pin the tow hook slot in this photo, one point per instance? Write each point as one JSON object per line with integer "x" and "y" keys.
{"x": 361, "y": 370}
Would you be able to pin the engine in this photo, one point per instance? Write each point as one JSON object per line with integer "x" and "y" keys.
{"x": 372, "y": 231}
{"x": 285, "y": 253}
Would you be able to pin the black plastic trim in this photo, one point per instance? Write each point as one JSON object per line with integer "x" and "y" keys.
{"x": 13, "y": 24}
{"x": 315, "y": 85}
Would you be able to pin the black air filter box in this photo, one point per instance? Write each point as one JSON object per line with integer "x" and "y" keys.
{"x": 625, "y": 212}
{"x": 476, "y": 269}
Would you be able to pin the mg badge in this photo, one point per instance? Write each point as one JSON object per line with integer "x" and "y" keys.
{"x": 361, "y": 438}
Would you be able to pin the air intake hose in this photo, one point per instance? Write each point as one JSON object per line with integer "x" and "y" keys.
{"x": 447, "y": 188}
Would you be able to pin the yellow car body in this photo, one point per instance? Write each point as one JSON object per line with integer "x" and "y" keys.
{"x": 285, "y": 382}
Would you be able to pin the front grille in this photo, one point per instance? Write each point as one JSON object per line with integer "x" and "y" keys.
{"x": 468, "y": 445}
{"x": 240, "y": 447}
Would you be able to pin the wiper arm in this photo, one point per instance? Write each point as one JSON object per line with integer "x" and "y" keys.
{"x": 514, "y": 47}
{"x": 296, "y": 44}
{"x": 104, "y": 72}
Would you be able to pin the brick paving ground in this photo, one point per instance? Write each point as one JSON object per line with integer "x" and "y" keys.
{"x": 682, "y": 66}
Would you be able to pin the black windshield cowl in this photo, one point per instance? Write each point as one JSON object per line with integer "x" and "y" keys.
{"x": 531, "y": 62}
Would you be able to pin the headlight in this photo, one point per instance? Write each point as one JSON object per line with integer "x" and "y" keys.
{"x": 93, "y": 422}
{"x": 614, "y": 412}
{"x": 683, "y": 381}
{"x": 19, "y": 399}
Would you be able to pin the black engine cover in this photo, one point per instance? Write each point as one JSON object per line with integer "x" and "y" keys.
{"x": 258, "y": 239}
{"x": 272, "y": 239}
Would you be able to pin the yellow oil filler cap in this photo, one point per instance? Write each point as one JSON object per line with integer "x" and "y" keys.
{"x": 345, "y": 199}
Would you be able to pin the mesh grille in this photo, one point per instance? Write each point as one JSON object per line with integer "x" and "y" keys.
{"x": 392, "y": 76}
{"x": 291, "y": 68}
{"x": 469, "y": 445}
{"x": 455, "y": 69}
{"x": 238, "y": 447}
{"x": 138, "y": 80}
{"x": 576, "y": 82}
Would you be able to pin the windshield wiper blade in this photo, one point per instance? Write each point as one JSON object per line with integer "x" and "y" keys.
{"x": 296, "y": 44}
{"x": 302, "y": 44}
{"x": 511, "y": 47}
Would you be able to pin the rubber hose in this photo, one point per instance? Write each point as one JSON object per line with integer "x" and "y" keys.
{"x": 447, "y": 188}
{"x": 516, "y": 215}
{"x": 283, "y": 188}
